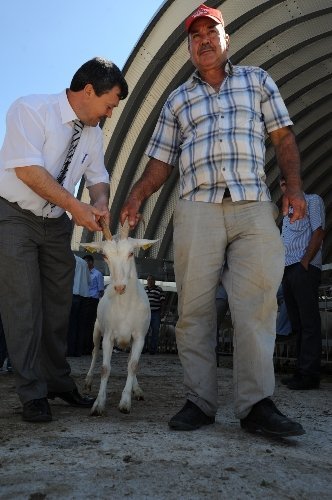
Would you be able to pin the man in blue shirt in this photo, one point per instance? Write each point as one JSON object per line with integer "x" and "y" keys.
{"x": 303, "y": 263}
{"x": 80, "y": 293}
{"x": 212, "y": 127}
{"x": 96, "y": 291}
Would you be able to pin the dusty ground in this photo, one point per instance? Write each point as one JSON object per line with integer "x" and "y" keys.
{"x": 136, "y": 456}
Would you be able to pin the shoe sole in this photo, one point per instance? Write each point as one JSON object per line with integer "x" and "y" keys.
{"x": 308, "y": 388}
{"x": 38, "y": 419}
{"x": 266, "y": 432}
{"x": 181, "y": 426}
{"x": 72, "y": 404}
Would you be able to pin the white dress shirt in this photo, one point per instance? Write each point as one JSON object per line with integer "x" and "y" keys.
{"x": 39, "y": 132}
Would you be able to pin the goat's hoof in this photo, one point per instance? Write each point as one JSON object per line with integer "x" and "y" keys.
{"x": 124, "y": 409}
{"x": 139, "y": 397}
{"x": 97, "y": 411}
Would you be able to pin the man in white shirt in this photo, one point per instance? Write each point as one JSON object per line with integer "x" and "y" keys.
{"x": 37, "y": 184}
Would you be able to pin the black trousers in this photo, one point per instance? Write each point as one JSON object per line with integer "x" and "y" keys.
{"x": 76, "y": 327}
{"x": 36, "y": 277}
{"x": 88, "y": 313}
{"x": 301, "y": 297}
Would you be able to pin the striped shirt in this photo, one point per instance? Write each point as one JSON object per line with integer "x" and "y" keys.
{"x": 219, "y": 137}
{"x": 156, "y": 297}
{"x": 296, "y": 236}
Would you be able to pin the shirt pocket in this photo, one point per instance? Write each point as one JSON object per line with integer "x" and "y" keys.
{"x": 302, "y": 225}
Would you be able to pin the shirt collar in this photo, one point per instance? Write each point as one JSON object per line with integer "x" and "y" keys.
{"x": 66, "y": 111}
{"x": 196, "y": 78}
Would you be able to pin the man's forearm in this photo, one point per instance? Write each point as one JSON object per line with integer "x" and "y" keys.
{"x": 99, "y": 193}
{"x": 153, "y": 177}
{"x": 155, "y": 174}
{"x": 289, "y": 161}
{"x": 42, "y": 183}
{"x": 313, "y": 246}
{"x": 288, "y": 158}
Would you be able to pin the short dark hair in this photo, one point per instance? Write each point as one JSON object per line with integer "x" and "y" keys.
{"x": 103, "y": 76}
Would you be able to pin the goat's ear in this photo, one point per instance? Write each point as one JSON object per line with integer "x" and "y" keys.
{"x": 94, "y": 246}
{"x": 143, "y": 243}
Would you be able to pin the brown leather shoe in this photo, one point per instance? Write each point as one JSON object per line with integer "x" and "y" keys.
{"x": 73, "y": 398}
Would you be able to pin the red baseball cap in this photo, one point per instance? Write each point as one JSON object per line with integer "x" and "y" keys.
{"x": 204, "y": 11}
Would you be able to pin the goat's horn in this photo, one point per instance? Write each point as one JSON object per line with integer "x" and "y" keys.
{"x": 124, "y": 232}
{"x": 106, "y": 230}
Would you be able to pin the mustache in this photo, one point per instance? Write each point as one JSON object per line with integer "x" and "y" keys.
{"x": 207, "y": 46}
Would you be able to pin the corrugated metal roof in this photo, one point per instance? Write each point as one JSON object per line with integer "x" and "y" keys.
{"x": 291, "y": 39}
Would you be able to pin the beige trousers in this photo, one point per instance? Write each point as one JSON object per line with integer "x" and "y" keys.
{"x": 246, "y": 236}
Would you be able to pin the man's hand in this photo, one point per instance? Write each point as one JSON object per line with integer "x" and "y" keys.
{"x": 130, "y": 211}
{"x": 294, "y": 204}
{"x": 87, "y": 216}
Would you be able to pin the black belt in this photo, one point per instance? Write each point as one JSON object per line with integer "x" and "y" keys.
{"x": 227, "y": 194}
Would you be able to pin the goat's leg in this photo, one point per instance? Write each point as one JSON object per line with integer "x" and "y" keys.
{"x": 95, "y": 352}
{"x": 131, "y": 383}
{"x": 137, "y": 391}
{"x": 99, "y": 405}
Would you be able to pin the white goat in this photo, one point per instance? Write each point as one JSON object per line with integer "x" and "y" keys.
{"x": 123, "y": 315}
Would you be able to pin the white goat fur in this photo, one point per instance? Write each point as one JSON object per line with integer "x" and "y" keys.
{"x": 123, "y": 317}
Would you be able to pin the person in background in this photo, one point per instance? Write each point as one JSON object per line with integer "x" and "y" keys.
{"x": 283, "y": 326}
{"x": 213, "y": 127}
{"x": 96, "y": 291}
{"x": 51, "y": 141}
{"x": 80, "y": 292}
{"x": 303, "y": 248}
{"x": 156, "y": 298}
{"x": 221, "y": 305}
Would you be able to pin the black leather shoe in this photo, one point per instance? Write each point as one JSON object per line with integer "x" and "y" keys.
{"x": 303, "y": 383}
{"x": 37, "y": 410}
{"x": 73, "y": 398}
{"x": 190, "y": 418}
{"x": 265, "y": 418}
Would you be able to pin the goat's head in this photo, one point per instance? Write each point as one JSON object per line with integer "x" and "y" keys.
{"x": 118, "y": 252}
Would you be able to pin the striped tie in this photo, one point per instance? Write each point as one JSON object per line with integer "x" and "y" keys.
{"x": 77, "y": 132}
{"x": 78, "y": 127}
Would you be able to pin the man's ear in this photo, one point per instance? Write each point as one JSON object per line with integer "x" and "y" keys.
{"x": 227, "y": 39}
{"x": 89, "y": 90}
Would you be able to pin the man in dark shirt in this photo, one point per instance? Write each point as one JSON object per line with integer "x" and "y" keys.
{"x": 156, "y": 298}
